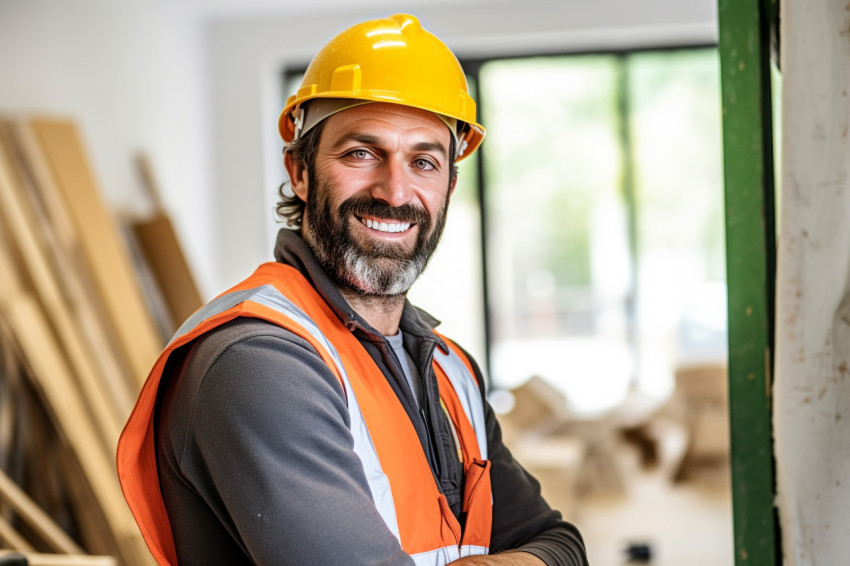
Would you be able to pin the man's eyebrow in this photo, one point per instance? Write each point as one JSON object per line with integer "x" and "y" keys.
{"x": 367, "y": 139}
{"x": 432, "y": 146}
{"x": 370, "y": 139}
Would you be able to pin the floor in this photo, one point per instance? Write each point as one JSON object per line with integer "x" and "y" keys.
{"x": 684, "y": 524}
{"x": 611, "y": 475}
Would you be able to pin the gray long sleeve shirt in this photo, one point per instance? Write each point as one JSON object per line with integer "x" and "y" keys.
{"x": 256, "y": 460}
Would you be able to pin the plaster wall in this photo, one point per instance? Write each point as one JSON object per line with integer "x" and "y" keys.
{"x": 811, "y": 387}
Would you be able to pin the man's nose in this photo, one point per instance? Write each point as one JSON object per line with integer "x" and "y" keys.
{"x": 393, "y": 185}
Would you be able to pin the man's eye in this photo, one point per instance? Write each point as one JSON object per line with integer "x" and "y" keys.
{"x": 423, "y": 164}
{"x": 360, "y": 154}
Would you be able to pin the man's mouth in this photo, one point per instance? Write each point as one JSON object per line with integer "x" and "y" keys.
{"x": 382, "y": 226}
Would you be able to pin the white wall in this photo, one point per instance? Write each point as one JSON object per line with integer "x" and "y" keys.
{"x": 248, "y": 56}
{"x": 133, "y": 77}
{"x": 200, "y": 92}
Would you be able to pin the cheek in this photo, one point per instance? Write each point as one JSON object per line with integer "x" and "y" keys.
{"x": 435, "y": 198}
{"x": 332, "y": 187}
{"x": 342, "y": 183}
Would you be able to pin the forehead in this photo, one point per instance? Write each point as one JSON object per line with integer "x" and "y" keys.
{"x": 389, "y": 119}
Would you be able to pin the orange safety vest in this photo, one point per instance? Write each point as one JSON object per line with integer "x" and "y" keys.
{"x": 400, "y": 478}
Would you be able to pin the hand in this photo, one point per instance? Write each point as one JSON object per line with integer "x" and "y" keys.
{"x": 503, "y": 559}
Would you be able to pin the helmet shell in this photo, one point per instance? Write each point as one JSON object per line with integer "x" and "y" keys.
{"x": 390, "y": 60}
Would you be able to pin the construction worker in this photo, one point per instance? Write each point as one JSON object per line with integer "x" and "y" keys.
{"x": 311, "y": 415}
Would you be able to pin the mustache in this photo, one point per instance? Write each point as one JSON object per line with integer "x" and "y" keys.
{"x": 364, "y": 206}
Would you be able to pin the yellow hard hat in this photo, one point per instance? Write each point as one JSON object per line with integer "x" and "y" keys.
{"x": 389, "y": 60}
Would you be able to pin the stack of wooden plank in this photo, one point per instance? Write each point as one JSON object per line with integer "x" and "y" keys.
{"x": 77, "y": 339}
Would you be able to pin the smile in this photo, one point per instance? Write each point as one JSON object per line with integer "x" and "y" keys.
{"x": 386, "y": 226}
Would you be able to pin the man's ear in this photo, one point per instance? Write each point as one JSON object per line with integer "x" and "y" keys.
{"x": 298, "y": 177}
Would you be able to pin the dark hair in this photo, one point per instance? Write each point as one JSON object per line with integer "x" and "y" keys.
{"x": 290, "y": 208}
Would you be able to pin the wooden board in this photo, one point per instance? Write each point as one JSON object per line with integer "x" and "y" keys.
{"x": 55, "y": 538}
{"x": 63, "y": 251}
{"x": 12, "y": 538}
{"x": 162, "y": 250}
{"x": 52, "y": 378}
{"x": 36, "y": 559}
{"x": 10, "y": 400}
{"x": 101, "y": 241}
{"x": 158, "y": 242}
{"x": 80, "y": 364}
{"x": 56, "y": 385}
{"x": 92, "y": 527}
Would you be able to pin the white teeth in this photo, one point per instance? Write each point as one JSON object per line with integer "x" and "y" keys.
{"x": 385, "y": 227}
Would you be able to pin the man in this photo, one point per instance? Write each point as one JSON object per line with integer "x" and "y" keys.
{"x": 310, "y": 415}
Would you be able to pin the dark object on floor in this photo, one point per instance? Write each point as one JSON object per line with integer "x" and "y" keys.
{"x": 639, "y": 553}
{"x": 13, "y": 559}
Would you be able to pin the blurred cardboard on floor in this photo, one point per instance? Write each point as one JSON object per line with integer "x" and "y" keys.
{"x": 701, "y": 401}
{"x": 574, "y": 455}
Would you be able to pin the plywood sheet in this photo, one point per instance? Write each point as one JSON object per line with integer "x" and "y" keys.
{"x": 162, "y": 251}
{"x": 161, "y": 248}
{"x": 22, "y": 228}
{"x": 62, "y": 250}
{"x": 104, "y": 249}
{"x": 57, "y": 387}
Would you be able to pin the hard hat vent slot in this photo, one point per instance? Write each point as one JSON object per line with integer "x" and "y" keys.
{"x": 346, "y": 78}
{"x": 465, "y": 104}
{"x": 305, "y": 92}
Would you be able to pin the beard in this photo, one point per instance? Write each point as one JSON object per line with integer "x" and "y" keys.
{"x": 368, "y": 266}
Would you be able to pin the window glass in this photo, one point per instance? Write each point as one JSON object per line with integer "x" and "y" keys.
{"x": 676, "y": 140}
{"x": 604, "y": 242}
{"x": 605, "y": 221}
{"x": 558, "y": 262}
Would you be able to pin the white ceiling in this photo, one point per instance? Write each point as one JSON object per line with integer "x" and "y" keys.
{"x": 234, "y": 8}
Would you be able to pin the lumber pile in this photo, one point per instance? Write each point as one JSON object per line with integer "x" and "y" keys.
{"x": 77, "y": 339}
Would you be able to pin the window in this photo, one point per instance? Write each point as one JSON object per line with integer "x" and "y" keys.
{"x": 600, "y": 197}
{"x": 603, "y": 204}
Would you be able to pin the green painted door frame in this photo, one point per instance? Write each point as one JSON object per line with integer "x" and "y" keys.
{"x": 745, "y": 27}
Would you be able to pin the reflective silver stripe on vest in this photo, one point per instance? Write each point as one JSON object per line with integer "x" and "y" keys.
{"x": 463, "y": 382}
{"x": 466, "y": 388}
{"x": 443, "y": 556}
{"x": 212, "y": 308}
{"x": 268, "y": 296}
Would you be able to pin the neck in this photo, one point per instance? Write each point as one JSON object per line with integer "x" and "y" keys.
{"x": 383, "y": 313}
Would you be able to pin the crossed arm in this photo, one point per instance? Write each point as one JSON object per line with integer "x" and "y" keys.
{"x": 504, "y": 559}
{"x": 247, "y": 446}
